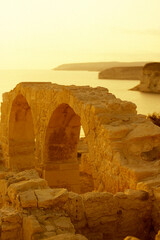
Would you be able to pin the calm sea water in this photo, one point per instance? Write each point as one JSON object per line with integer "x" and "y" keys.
{"x": 146, "y": 102}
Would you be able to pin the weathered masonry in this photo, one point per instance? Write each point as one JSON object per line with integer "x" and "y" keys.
{"x": 40, "y": 128}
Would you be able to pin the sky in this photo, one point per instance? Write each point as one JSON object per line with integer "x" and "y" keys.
{"x": 41, "y": 34}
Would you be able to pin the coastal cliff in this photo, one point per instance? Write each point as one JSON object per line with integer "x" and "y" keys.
{"x": 128, "y": 73}
{"x": 96, "y": 66}
{"x": 150, "y": 81}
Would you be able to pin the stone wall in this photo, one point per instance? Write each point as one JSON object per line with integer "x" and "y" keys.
{"x": 42, "y": 120}
{"x": 152, "y": 186}
{"x": 150, "y": 81}
{"x": 32, "y": 210}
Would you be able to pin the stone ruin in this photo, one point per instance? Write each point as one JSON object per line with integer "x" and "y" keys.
{"x": 53, "y": 185}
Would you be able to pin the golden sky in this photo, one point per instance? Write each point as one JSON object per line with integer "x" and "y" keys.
{"x": 40, "y": 34}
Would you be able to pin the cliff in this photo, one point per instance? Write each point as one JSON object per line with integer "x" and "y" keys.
{"x": 96, "y": 66}
{"x": 150, "y": 81}
{"x": 128, "y": 73}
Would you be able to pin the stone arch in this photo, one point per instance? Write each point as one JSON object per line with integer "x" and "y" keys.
{"x": 119, "y": 141}
{"x": 21, "y": 135}
{"x": 60, "y": 151}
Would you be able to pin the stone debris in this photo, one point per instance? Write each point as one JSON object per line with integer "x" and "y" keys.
{"x": 50, "y": 197}
{"x": 32, "y": 210}
{"x": 10, "y": 224}
{"x": 27, "y": 199}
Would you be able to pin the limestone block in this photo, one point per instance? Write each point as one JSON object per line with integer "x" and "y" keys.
{"x": 21, "y": 176}
{"x": 54, "y": 222}
{"x": 67, "y": 236}
{"x": 116, "y": 132}
{"x": 10, "y": 224}
{"x": 136, "y": 200}
{"x": 28, "y": 174}
{"x": 100, "y": 209}
{"x": 75, "y": 209}
{"x": 50, "y": 228}
{"x": 149, "y": 185}
{"x": 28, "y": 199}
{"x": 50, "y": 197}
{"x": 10, "y": 215}
{"x": 134, "y": 214}
{"x": 30, "y": 227}
{"x": 63, "y": 224}
{"x": 3, "y": 188}
{"x": 9, "y": 227}
{"x": 15, "y": 188}
{"x": 146, "y": 129}
{"x": 137, "y": 194}
{"x": 11, "y": 235}
{"x": 49, "y": 234}
{"x": 2, "y": 174}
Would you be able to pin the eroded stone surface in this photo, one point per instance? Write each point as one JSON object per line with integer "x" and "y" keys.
{"x": 50, "y": 197}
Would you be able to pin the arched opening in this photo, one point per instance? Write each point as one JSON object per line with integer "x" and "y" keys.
{"x": 60, "y": 154}
{"x": 21, "y": 135}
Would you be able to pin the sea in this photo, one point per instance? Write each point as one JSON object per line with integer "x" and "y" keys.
{"x": 147, "y": 103}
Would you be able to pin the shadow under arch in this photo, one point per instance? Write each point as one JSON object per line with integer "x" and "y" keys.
{"x": 85, "y": 167}
{"x": 21, "y": 135}
{"x": 61, "y": 167}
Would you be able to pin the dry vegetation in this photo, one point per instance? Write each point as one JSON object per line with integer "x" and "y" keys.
{"x": 155, "y": 118}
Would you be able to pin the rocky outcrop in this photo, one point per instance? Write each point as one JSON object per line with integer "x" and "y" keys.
{"x": 150, "y": 81}
{"x": 123, "y": 73}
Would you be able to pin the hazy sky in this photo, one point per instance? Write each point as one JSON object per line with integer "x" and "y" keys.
{"x": 44, "y": 33}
